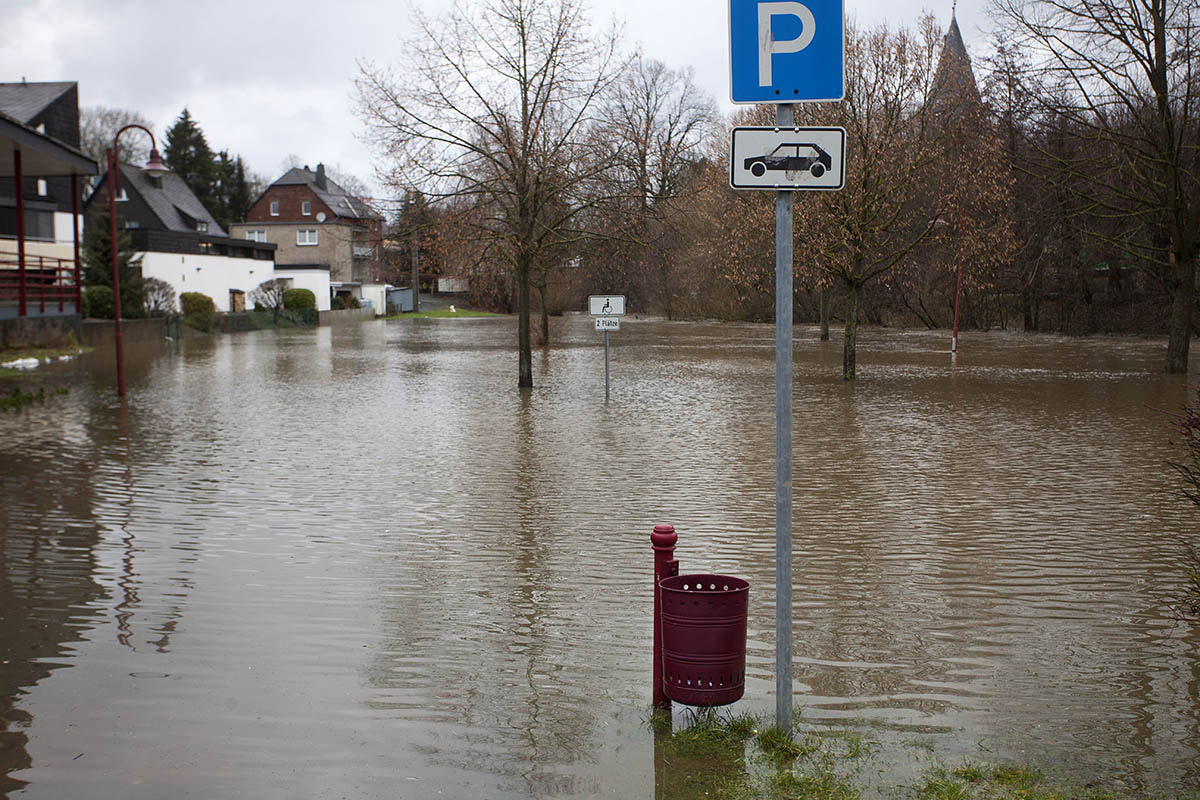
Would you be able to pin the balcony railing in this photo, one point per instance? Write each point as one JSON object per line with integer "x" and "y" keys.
{"x": 48, "y": 282}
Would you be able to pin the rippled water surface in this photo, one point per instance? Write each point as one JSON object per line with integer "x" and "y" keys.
{"x": 356, "y": 562}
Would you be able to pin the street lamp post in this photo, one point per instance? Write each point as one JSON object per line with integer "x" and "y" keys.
{"x": 154, "y": 167}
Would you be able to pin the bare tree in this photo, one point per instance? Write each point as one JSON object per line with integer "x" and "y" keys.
{"x": 1119, "y": 79}
{"x": 99, "y": 124}
{"x": 158, "y": 297}
{"x": 495, "y": 104}
{"x": 655, "y": 121}
{"x": 891, "y": 203}
{"x": 269, "y": 294}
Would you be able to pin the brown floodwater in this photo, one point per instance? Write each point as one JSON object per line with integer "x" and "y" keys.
{"x": 356, "y": 562}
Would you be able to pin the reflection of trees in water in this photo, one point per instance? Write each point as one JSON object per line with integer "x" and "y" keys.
{"x": 480, "y": 653}
{"x": 67, "y": 475}
{"x": 47, "y": 567}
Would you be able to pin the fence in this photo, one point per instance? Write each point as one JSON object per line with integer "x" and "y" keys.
{"x": 47, "y": 282}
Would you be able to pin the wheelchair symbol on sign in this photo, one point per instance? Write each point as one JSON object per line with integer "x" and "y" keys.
{"x": 607, "y": 307}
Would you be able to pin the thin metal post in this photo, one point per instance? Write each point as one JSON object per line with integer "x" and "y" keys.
{"x": 118, "y": 343}
{"x": 663, "y": 541}
{"x": 75, "y": 242}
{"x": 416, "y": 272}
{"x": 18, "y": 182}
{"x": 606, "y": 365}
{"x": 783, "y": 447}
{"x": 958, "y": 289}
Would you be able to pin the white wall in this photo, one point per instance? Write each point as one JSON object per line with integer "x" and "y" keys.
{"x": 62, "y": 228}
{"x": 210, "y": 275}
{"x": 377, "y": 294}
{"x": 315, "y": 280}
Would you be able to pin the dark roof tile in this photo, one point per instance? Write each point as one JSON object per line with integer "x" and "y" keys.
{"x": 24, "y": 101}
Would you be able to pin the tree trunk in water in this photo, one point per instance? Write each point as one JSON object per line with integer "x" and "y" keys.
{"x": 848, "y": 359}
{"x": 525, "y": 375}
{"x": 826, "y": 297}
{"x": 1183, "y": 292}
{"x": 545, "y": 316}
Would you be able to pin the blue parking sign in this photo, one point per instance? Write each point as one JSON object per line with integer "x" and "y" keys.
{"x": 786, "y": 51}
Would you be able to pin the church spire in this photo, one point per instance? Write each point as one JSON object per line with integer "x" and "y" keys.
{"x": 954, "y": 80}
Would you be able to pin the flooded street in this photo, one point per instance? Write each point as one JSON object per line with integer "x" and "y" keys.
{"x": 355, "y": 562}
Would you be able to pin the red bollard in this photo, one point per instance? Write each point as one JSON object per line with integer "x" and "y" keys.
{"x": 663, "y": 539}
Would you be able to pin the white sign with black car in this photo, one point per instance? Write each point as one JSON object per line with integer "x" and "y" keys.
{"x": 795, "y": 159}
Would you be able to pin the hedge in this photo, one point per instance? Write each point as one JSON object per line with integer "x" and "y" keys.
{"x": 197, "y": 303}
{"x": 98, "y": 302}
{"x": 299, "y": 299}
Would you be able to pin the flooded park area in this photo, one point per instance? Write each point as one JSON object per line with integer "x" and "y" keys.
{"x": 355, "y": 561}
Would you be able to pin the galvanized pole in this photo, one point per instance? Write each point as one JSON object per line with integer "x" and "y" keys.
{"x": 783, "y": 447}
{"x": 606, "y": 365}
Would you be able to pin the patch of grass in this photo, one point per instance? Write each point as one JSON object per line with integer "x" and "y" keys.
{"x": 19, "y": 399}
{"x": 782, "y": 749}
{"x": 707, "y": 731}
{"x": 817, "y": 785}
{"x": 742, "y": 757}
{"x": 940, "y": 786}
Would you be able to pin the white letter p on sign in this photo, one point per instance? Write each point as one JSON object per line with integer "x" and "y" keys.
{"x": 768, "y": 46}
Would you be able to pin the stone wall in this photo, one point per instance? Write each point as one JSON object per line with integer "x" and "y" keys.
{"x": 39, "y": 332}
{"x": 99, "y": 332}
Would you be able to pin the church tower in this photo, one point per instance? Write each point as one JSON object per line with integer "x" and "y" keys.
{"x": 954, "y": 89}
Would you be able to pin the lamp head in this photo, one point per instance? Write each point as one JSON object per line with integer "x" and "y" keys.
{"x": 155, "y": 167}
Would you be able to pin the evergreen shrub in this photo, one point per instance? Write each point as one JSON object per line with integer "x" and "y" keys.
{"x": 98, "y": 302}
{"x": 196, "y": 303}
{"x": 299, "y": 299}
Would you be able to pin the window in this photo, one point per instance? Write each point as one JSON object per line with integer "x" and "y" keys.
{"x": 306, "y": 237}
{"x": 256, "y": 236}
{"x": 202, "y": 227}
{"x": 274, "y": 208}
{"x": 306, "y": 207}
{"x": 41, "y": 187}
{"x": 131, "y": 224}
{"x": 121, "y": 196}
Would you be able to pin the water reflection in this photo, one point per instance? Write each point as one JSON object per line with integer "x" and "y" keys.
{"x": 358, "y": 555}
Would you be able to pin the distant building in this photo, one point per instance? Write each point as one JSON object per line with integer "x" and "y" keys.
{"x": 177, "y": 240}
{"x": 317, "y": 225}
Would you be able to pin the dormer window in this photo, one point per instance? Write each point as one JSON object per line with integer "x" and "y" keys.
{"x": 274, "y": 208}
{"x": 306, "y": 207}
{"x": 202, "y": 227}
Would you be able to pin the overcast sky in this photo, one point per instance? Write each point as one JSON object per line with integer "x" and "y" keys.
{"x": 267, "y": 79}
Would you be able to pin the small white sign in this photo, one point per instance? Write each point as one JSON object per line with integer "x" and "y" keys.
{"x": 606, "y": 305}
{"x": 788, "y": 158}
{"x": 608, "y": 323}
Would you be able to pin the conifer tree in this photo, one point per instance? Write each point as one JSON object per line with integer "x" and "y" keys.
{"x": 97, "y": 259}
{"x": 188, "y": 155}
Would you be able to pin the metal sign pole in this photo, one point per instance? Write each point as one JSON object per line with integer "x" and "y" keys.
{"x": 783, "y": 446}
{"x": 606, "y": 365}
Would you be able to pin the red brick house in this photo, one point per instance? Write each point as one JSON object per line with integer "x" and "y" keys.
{"x": 316, "y": 224}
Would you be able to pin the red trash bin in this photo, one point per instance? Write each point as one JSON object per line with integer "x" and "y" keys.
{"x": 704, "y": 638}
